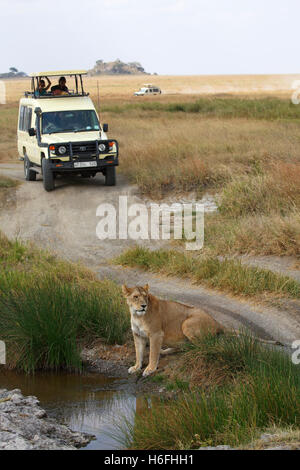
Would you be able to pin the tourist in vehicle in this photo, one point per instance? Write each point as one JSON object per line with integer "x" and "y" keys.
{"x": 42, "y": 86}
{"x": 61, "y": 88}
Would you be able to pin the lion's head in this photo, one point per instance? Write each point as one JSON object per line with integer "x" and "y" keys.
{"x": 137, "y": 298}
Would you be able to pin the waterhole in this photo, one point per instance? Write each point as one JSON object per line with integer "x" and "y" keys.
{"x": 88, "y": 402}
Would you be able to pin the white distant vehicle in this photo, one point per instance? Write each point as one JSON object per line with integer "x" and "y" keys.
{"x": 148, "y": 89}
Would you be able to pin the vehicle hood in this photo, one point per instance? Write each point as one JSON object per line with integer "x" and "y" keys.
{"x": 72, "y": 137}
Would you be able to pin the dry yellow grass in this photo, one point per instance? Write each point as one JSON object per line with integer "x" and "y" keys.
{"x": 271, "y": 234}
{"x": 283, "y": 439}
{"x": 183, "y": 152}
{"x": 124, "y": 86}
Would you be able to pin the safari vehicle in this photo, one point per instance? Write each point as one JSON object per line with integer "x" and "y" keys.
{"x": 60, "y": 134}
{"x": 148, "y": 89}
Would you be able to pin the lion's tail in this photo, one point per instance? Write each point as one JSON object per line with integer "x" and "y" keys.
{"x": 261, "y": 340}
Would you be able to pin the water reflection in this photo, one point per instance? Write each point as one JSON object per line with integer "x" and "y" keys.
{"x": 88, "y": 402}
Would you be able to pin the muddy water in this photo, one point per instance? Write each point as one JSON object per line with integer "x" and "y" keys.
{"x": 89, "y": 402}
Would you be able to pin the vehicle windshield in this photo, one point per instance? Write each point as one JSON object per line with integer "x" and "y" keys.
{"x": 70, "y": 121}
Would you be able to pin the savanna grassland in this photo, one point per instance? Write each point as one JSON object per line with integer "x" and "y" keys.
{"x": 237, "y": 138}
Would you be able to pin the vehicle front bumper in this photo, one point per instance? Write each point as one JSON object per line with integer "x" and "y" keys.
{"x": 67, "y": 163}
{"x": 63, "y": 166}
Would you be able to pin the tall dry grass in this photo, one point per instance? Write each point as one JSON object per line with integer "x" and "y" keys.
{"x": 254, "y": 234}
{"x": 8, "y": 132}
{"x": 184, "y": 152}
{"x": 276, "y": 189}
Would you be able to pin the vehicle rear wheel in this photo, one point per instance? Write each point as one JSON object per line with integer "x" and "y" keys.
{"x": 30, "y": 175}
{"x": 110, "y": 176}
{"x": 48, "y": 176}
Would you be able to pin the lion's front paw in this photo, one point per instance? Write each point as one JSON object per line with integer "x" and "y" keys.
{"x": 133, "y": 369}
{"x": 148, "y": 371}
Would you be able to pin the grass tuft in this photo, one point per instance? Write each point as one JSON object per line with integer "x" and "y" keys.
{"x": 50, "y": 308}
{"x": 263, "y": 234}
{"x": 262, "y": 390}
{"x": 229, "y": 275}
{"x": 6, "y": 182}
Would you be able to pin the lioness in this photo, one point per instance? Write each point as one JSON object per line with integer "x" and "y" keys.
{"x": 164, "y": 323}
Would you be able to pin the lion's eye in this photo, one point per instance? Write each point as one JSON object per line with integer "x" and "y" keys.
{"x": 135, "y": 297}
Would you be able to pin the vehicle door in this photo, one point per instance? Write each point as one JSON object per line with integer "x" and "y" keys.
{"x": 32, "y": 145}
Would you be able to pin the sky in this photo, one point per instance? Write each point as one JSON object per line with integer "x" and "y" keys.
{"x": 169, "y": 37}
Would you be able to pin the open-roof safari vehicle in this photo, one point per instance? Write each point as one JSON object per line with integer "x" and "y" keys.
{"x": 59, "y": 131}
{"x": 148, "y": 89}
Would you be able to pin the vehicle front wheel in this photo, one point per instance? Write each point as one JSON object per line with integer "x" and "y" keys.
{"x": 30, "y": 175}
{"x": 48, "y": 177}
{"x": 110, "y": 176}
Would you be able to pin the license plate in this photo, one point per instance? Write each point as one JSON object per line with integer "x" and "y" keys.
{"x": 84, "y": 164}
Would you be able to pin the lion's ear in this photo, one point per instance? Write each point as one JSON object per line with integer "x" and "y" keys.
{"x": 146, "y": 287}
{"x": 125, "y": 290}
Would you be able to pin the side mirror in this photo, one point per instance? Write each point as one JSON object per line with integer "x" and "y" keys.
{"x": 105, "y": 127}
{"x": 32, "y": 132}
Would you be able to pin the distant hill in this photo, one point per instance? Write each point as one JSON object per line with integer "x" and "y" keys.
{"x": 117, "y": 68}
{"x": 13, "y": 73}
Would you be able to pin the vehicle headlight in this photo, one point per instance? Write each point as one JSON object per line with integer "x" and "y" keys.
{"x": 62, "y": 150}
{"x": 102, "y": 147}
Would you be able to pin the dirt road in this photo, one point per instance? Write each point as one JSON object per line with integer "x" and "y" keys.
{"x": 65, "y": 221}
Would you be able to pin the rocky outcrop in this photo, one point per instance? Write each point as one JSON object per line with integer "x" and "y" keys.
{"x": 117, "y": 68}
{"x": 24, "y": 426}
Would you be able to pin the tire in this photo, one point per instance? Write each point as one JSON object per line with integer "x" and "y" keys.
{"x": 29, "y": 174}
{"x": 110, "y": 176}
{"x": 48, "y": 177}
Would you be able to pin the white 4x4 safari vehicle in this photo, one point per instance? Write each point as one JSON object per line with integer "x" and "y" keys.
{"x": 148, "y": 90}
{"x": 59, "y": 133}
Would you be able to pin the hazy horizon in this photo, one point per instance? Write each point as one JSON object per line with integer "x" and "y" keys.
{"x": 168, "y": 37}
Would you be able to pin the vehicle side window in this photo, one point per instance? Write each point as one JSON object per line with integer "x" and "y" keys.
{"x": 28, "y": 119}
{"x": 25, "y": 118}
{"x": 21, "y": 119}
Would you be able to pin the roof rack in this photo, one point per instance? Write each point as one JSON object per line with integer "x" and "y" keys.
{"x": 35, "y": 77}
{"x": 60, "y": 73}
